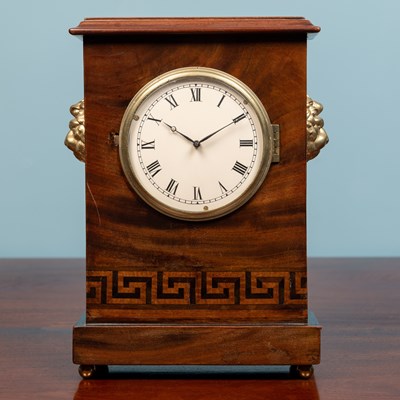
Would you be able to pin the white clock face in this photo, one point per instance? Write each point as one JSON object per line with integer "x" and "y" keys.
{"x": 195, "y": 143}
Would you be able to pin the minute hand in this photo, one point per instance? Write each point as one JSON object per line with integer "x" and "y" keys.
{"x": 234, "y": 121}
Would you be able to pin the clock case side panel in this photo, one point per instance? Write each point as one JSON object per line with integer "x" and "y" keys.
{"x": 145, "y": 267}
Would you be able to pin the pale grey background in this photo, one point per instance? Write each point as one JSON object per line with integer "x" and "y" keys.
{"x": 354, "y": 192}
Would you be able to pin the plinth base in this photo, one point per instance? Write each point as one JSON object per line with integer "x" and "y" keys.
{"x": 203, "y": 344}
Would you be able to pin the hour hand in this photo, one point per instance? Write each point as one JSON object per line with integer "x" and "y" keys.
{"x": 174, "y": 130}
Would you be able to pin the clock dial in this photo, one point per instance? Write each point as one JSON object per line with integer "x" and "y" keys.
{"x": 195, "y": 143}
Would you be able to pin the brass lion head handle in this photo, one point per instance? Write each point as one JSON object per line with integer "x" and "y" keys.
{"x": 75, "y": 139}
{"x": 317, "y": 138}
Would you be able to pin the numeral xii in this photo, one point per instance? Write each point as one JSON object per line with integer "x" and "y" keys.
{"x": 196, "y": 94}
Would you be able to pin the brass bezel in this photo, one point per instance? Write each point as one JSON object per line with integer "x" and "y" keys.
{"x": 206, "y": 74}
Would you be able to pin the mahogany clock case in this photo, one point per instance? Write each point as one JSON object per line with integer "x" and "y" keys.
{"x": 248, "y": 268}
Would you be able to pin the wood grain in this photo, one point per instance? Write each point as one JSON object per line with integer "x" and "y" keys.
{"x": 161, "y": 344}
{"x": 40, "y": 300}
{"x": 179, "y": 26}
{"x": 265, "y": 236}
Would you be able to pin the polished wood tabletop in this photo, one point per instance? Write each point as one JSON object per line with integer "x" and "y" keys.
{"x": 357, "y": 301}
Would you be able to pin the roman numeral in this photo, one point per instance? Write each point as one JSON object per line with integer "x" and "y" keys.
{"x": 172, "y": 186}
{"x": 196, "y": 193}
{"x": 151, "y": 118}
{"x": 222, "y": 187}
{"x": 239, "y": 168}
{"x": 154, "y": 168}
{"x": 172, "y": 102}
{"x": 220, "y": 102}
{"x": 148, "y": 145}
{"x": 246, "y": 143}
{"x": 196, "y": 94}
{"x": 239, "y": 118}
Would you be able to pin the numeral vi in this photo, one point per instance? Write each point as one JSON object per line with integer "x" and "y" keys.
{"x": 196, "y": 193}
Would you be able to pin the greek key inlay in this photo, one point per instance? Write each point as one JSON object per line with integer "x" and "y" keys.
{"x": 196, "y": 288}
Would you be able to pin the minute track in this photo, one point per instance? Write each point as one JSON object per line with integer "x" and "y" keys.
{"x": 170, "y": 188}
{"x": 204, "y": 177}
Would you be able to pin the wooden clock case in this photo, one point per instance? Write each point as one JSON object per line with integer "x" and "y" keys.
{"x": 231, "y": 291}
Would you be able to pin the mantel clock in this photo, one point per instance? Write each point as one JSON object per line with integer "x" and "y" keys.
{"x": 195, "y": 133}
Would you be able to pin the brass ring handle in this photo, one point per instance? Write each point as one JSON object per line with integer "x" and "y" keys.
{"x": 75, "y": 139}
{"x": 317, "y": 137}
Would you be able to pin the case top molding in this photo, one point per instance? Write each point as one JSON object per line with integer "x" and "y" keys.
{"x": 191, "y": 26}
